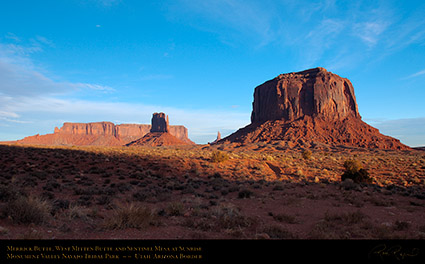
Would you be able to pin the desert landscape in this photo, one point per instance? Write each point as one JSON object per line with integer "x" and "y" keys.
{"x": 307, "y": 167}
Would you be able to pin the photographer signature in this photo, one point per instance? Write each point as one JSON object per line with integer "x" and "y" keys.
{"x": 395, "y": 252}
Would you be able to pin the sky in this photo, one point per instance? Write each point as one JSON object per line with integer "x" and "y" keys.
{"x": 199, "y": 61}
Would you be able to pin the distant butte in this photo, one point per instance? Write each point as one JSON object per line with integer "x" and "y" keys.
{"x": 101, "y": 134}
{"x": 159, "y": 134}
{"x": 309, "y": 107}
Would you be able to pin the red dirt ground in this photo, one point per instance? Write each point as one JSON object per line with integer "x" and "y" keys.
{"x": 259, "y": 191}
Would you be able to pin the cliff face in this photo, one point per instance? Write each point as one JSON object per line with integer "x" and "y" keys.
{"x": 309, "y": 107}
{"x": 98, "y": 128}
{"x": 315, "y": 92}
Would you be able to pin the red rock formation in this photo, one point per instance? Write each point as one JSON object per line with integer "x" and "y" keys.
{"x": 155, "y": 139}
{"x": 217, "y": 139}
{"x": 306, "y": 107}
{"x": 159, "y": 134}
{"x": 130, "y": 132}
{"x": 315, "y": 92}
{"x": 101, "y": 133}
{"x": 160, "y": 123}
{"x": 97, "y": 128}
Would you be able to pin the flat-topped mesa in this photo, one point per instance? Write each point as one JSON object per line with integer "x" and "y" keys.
{"x": 95, "y": 128}
{"x": 160, "y": 123}
{"x": 314, "y": 92}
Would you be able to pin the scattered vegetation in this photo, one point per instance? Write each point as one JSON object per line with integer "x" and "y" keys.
{"x": 27, "y": 210}
{"x": 343, "y": 226}
{"x": 355, "y": 172}
{"x": 130, "y": 216}
{"x": 245, "y": 194}
{"x": 306, "y": 154}
{"x": 219, "y": 156}
{"x": 175, "y": 209}
{"x": 229, "y": 217}
{"x": 278, "y": 232}
{"x": 81, "y": 188}
{"x": 285, "y": 218}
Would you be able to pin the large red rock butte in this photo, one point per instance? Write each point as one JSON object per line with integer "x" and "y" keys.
{"x": 159, "y": 134}
{"x": 310, "y": 107}
{"x": 100, "y": 134}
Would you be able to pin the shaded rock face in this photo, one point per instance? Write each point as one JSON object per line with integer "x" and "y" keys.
{"x": 309, "y": 108}
{"x": 156, "y": 139}
{"x": 315, "y": 92}
{"x": 160, "y": 123}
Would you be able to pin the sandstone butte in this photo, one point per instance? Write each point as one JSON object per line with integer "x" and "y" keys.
{"x": 159, "y": 134}
{"x": 308, "y": 108}
{"x": 101, "y": 134}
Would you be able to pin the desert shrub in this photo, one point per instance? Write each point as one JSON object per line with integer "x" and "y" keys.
{"x": 27, "y": 210}
{"x": 278, "y": 187}
{"x": 219, "y": 156}
{"x": 175, "y": 209}
{"x": 60, "y": 205}
{"x": 277, "y": 232}
{"x": 345, "y": 218}
{"x": 8, "y": 193}
{"x": 140, "y": 196}
{"x": 230, "y": 217}
{"x": 401, "y": 225}
{"x": 343, "y": 226}
{"x": 306, "y": 154}
{"x": 245, "y": 193}
{"x": 130, "y": 216}
{"x": 289, "y": 219}
{"x": 354, "y": 171}
{"x": 103, "y": 200}
{"x": 77, "y": 212}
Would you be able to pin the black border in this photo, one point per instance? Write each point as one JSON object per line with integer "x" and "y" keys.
{"x": 243, "y": 251}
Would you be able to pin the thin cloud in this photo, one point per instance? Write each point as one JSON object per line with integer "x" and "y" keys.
{"x": 419, "y": 73}
{"x": 370, "y": 32}
{"x": 13, "y": 37}
{"x": 20, "y": 77}
{"x": 95, "y": 87}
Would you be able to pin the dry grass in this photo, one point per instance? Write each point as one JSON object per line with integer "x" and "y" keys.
{"x": 219, "y": 156}
{"x": 175, "y": 209}
{"x": 162, "y": 177}
{"x": 27, "y": 210}
{"x": 229, "y": 217}
{"x": 341, "y": 226}
{"x": 306, "y": 154}
{"x": 223, "y": 217}
{"x": 278, "y": 232}
{"x": 130, "y": 216}
{"x": 285, "y": 218}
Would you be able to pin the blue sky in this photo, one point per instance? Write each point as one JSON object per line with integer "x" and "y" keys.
{"x": 199, "y": 61}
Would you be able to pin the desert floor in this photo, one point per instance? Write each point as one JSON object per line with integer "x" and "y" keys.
{"x": 257, "y": 191}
